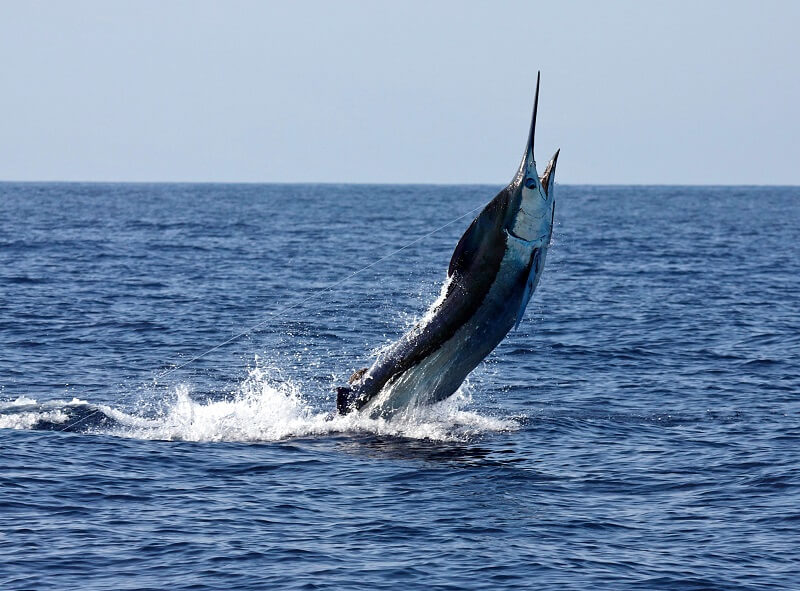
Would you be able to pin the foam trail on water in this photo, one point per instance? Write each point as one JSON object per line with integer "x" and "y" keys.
{"x": 26, "y": 413}
{"x": 261, "y": 409}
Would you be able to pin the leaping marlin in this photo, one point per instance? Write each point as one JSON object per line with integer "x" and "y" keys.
{"x": 493, "y": 272}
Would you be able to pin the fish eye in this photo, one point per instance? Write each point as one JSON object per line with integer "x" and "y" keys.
{"x": 530, "y": 182}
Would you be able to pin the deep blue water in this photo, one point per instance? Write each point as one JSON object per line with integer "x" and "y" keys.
{"x": 640, "y": 430}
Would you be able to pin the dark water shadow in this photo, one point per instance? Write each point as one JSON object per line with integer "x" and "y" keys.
{"x": 466, "y": 454}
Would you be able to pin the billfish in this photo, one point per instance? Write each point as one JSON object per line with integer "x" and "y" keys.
{"x": 493, "y": 272}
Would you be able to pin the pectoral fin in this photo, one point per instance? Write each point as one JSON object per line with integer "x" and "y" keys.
{"x": 532, "y": 281}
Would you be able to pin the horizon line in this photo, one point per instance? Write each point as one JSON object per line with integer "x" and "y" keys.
{"x": 384, "y": 183}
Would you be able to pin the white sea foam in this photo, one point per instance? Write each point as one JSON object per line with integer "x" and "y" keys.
{"x": 25, "y": 413}
{"x": 27, "y": 420}
{"x": 265, "y": 410}
{"x": 261, "y": 409}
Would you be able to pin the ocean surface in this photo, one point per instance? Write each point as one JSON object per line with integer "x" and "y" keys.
{"x": 641, "y": 429}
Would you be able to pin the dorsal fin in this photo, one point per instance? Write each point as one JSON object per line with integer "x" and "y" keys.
{"x": 488, "y": 221}
{"x": 465, "y": 246}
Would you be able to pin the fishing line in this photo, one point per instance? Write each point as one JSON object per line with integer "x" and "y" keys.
{"x": 280, "y": 311}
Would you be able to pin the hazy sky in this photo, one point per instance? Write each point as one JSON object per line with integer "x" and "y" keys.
{"x": 411, "y": 92}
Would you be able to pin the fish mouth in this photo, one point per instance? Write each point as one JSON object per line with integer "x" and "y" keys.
{"x": 548, "y": 178}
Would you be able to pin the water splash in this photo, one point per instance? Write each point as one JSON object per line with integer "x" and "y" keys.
{"x": 260, "y": 409}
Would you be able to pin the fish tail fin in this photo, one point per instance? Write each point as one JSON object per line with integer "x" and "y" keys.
{"x": 344, "y": 400}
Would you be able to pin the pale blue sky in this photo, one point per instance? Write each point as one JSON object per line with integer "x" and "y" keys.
{"x": 409, "y": 92}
